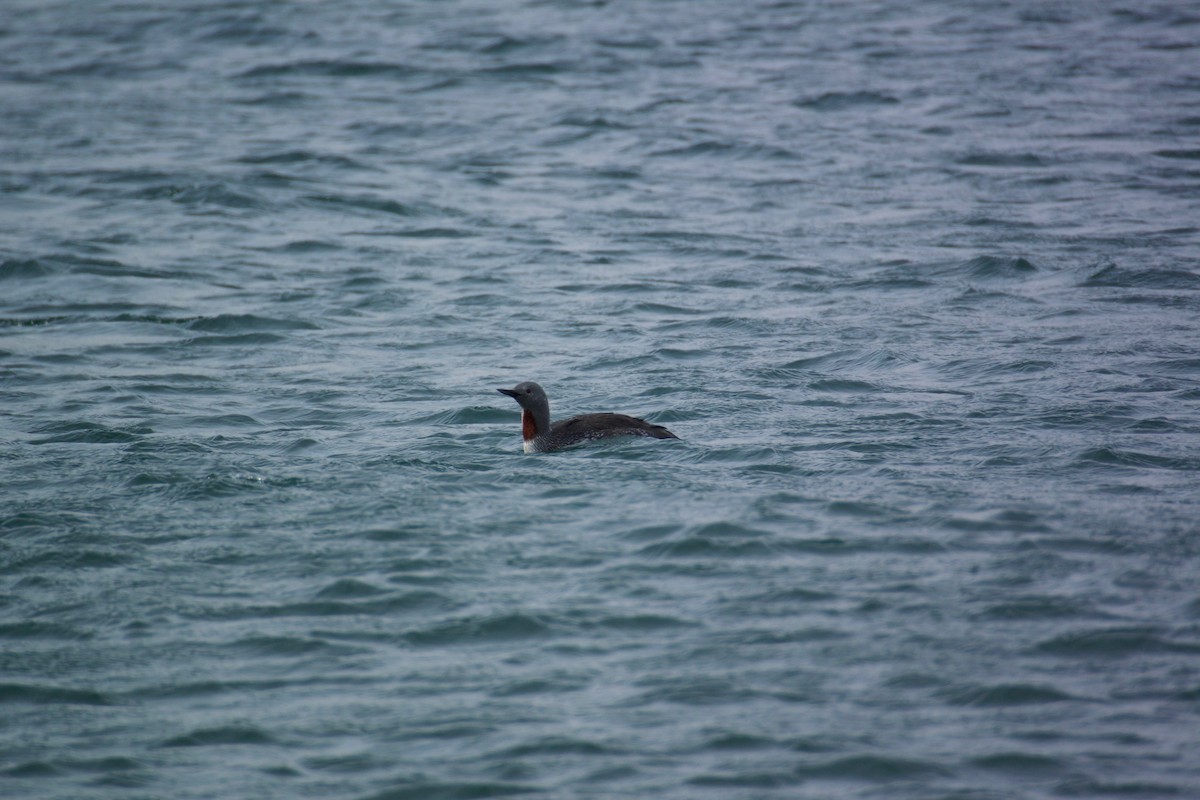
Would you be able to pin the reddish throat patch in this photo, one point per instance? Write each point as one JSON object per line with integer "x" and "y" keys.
{"x": 528, "y": 426}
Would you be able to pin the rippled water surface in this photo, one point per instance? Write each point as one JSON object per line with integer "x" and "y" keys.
{"x": 917, "y": 285}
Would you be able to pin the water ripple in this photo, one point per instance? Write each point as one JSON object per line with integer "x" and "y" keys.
{"x": 917, "y": 287}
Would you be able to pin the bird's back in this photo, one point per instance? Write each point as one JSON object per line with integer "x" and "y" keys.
{"x": 586, "y": 427}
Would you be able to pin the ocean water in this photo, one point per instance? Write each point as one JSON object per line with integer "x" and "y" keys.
{"x": 917, "y": 285}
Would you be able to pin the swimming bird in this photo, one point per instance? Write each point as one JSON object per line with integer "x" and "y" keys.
{"x": 542, "y": 436}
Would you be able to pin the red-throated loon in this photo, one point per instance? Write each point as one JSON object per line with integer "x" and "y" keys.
{"x": 542, "y": 436}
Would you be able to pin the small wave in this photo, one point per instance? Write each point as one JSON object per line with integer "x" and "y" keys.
{"x": 1019, "y": 764}
{"x": 204, "y": 193}
{"x": 224, "y": 421}
{"x": 913, "y": 680}
{"x": 480, "y": 299}
{"x": 349, "y": 589}
{"x": 419, "y": 600}
{"x": 116, "y": 69}
{"x": 225, "y": 735}
{"x": 87, "y": 433}
{"x": 845, "y": 385}
{"x": 835, "y": 546}
{"x": 841, "y": 101}
{"x": 305, "y": 246}
{"x": 34, "y": 322}
{"x": 114, "y": 770}
{"x": 682, "y": 354}
{"x": 367, "y": 203}
{"x": 862, "y": 509}
{"x": 1112, "y": 276}
{"x": 246, "y": 28}
{"x": 617, "y": 363}
{"x": 205, "y": 688}
{"x": 286, "y": 647}
{"x": 1003, "y": 160}
{"x": 788, "y": 598}
{"x": 997, "y": 267}
{"x": 1007, "y": 694}
{"x": 872, "y": 360}
{"x": 745, "y": 780}
{"x": 40, "y": 694}
{"x": 330, "y": 68}
{"x": 437, "y": 232}
{"x": 1040, "y": 607}
{"x": 215, "y": 485}
{"x": 533, "y": 70}
{"x": 594, "y": 122}
{"x": 452, "y": 790}
{"x": 248, "y": 323}
{"x": 692, "y": 691}
{"x": 1114, "y": 643}
{"x": 1084, "y": 416}
{"x": 976, "y": 368}
{"x": 874, "y": 769}
{"x": 734, "y": 150}
{"x": 555, "y": 746}
{"x": 707, "y": 547}
{"x": 302, "y": 157}
{"x": 558, "y": 684}
{"x": 276, "y": 99}
{"x": 239, "y": 340}
{"x": 1087, "y": 787}
{"x": 69, "y": 263}
{"x": 481, "y": 630}
{"x": 31, "y": 769}
{"x": 1161, "y": 424}
{"x": 24, "y": 269}
{"x": 642, "y": 622}
{"x": 1115, "y": 457}
{"x": 299, "y": 445}
{"x": 34, "y": 523}
{"x": 42, "y": 630}
{"x": 176, "y": 383}
{"x": 1094, "y": 543}
{"x": 1006, "y": 520}
{"x": 775, "y": 636}
{"x": 1186, "y": 154}
{"x": 341, "y": 763}
{"x": 741, "y": 742}
{"x": 654, "y": 532}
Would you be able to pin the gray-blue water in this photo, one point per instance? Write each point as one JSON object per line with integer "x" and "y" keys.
{"x": 918, "y": 285}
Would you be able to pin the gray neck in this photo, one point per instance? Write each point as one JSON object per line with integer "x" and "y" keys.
{"x": 541, "y": 418}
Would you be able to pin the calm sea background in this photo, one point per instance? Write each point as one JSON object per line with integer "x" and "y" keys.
{"x": 917, "y": 284}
